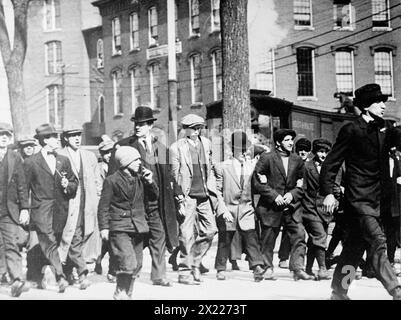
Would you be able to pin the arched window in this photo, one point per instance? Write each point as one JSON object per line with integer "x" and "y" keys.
{"x": 100, "y": 54}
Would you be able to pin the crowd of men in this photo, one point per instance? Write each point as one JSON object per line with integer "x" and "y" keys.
{"x": 143, "y": 194}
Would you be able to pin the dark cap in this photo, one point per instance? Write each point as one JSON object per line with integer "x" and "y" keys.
{"x": 368, "y": 94}
{"x": 280, "y": 134}
{"x": 321, "y": 144}
{"x": 45, "y": 130}
{"x": 143, "y": 114}
{"x": 303, "y": 144}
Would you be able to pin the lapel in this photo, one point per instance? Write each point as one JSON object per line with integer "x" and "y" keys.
{"x": 382, "y": 134}
{"x": 187, "y": 154}
{"x": 279, "y": 164}
{"x": 291, "y": 164}
{"x": 232, "y": 172}
{"x": 59, "y": 165}
{"x": 67, "y": 153}
{"x": 43, "y": 163}
{"x": 315, "y": 173}
{"x": 10, "y": 164}
{"x": 205, "y": 149}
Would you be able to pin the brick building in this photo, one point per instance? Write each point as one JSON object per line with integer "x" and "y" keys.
{"x": 305, "y": 51}
{"x": 56, "y": 69}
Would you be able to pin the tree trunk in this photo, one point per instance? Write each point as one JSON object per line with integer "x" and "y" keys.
{"x": 235, "y": 59}
{"x": 13, "y": 59}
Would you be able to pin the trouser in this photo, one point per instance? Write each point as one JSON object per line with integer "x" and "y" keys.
{"x": 251, "y": 247}
{"x": 196, "y": 233}
{"x": 74, "y": 256}
{"x": 127, "y": 248}
{"x": 285, "y": 247}
{"x": 392, "y": 231}
{"x": 9, "y": 247}
{"x": 112, "y": 261}
{"x": 296, "y": 234}
{"x": 35, "y": 259}
{"x": 157, "y": 245}
{"x": 363, "y": 229}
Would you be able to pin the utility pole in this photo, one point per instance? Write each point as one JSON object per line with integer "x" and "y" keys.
{"x": 63, "y": 99}
{"x": 172, "y": 74}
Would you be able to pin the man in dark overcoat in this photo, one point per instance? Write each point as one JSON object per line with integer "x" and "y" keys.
{"x": 161, "y": 213}
{"x": 52, "y": 184}
{"x": 280, "y": 202}
{"x": 360, "y": 145}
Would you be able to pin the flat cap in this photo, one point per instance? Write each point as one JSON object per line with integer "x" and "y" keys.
{"x": 6, "y": 127}
{"x": 191, "y": 120}
{"x": 26, "y": 142}
{"x": 280, "y": 134}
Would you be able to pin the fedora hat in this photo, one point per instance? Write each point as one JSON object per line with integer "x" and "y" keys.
{"x": 280, "y": 134}
{"x": 240, "y": 141}
{"x": 368, "y": 94}
{"x": 45, "y": 130}
{"x": 6, "y": 127}
{"x": 143, "y": 114}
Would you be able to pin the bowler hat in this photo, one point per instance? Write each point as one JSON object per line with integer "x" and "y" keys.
{"x": 321, "y": 144}
{"x": 368, "y": 94}
{"x": 45, "y": 130}
{"x": 6, "y": 127}
{"x": 239, "y": 140}
{"x": 280, "y": 134}
{"x": 143, "y": 114}
{"x": 192, "y": 120}
{"x": 303, "y": 144}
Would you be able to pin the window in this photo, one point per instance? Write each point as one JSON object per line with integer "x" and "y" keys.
{"x": 194, "y": 16}
{"x": 135, "y": 89}
{"x": 153, "y": 35}
{"x": 345, "y": 71}
{"x": 380, "y": 13}
{"x": 265, "y": 79}
{"x": 100, "y": 104}
{"x": 52, "y": 15}
{"x": 215, "y": 18}
{"x": 117, "y": 92}
{"x": 154, "y": 85}
{"x": 100, "y": 54}
{"x": 384, "y": 70}
{"x": 196, "y": 79}
{"x": 305, "y": 72}
{"x": 53, "y": 57}
{"x": 134, "y": 25}
{"x": 116, "y": 35}
{"x": 302, "y": 13}
{"x": 344, "y": 15}
{"x": 217, "y": 75}
{"x": 54, "y": 105}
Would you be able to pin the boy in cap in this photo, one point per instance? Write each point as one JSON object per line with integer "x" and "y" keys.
{"x": 360, "y": 145}
{"x": 192, "y": 169}
{"x": 235, "y": 210}
{"x": 280, "y": 202}
{"x": 26, "y": 147}
{"x": 122, "y": 216}
{"x": 303, "y": 148}
{"x": 80, "y": 242}
{"x": 52, "y": 184}
{"x": 13, "y": 209}
{"x": 315, "y": 220}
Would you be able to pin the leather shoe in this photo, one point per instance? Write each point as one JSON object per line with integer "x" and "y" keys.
{"x": 18, "y": 287}
{"x": 62, "y": 285}
{"x": 71, "y": 279}
{"x": 339, "y": 296}
{"x": 98, "y": 268}
{"x": 203, "y": 269}
{"x": 220, "y": 275}
{"x": 302, "y": 275}
{"x": 269, "y": 274}
{"x": 196, "y": 274}
{"x": 258, "y": 273}
{"x": 283, "y": 264}
{"x": 184, "y": 279}
{"x": 234, "y": 265}
{"x": 162, "y": 282}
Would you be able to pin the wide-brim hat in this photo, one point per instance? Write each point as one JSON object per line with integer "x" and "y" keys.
{"x": 368, "y": 94}
{"x": 321, "y": 144}
{"x": 280, "y": 134}
{"x": 143, "y": 114}
{"x": 45, "y": 130}
{"x": 240, "y": 141}
{"x": 192, "y": 120}
{"x": 6, "y": 127}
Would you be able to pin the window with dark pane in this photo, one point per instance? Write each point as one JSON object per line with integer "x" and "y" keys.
{"x": 302, "y": 13}
{"x": 305, "y": 71}
{"x": 380, "y": 13}
{"x": 344, "y": 71}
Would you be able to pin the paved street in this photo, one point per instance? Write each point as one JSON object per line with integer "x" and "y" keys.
{"x": 239, "y": 286}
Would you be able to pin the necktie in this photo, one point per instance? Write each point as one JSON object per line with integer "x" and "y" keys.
{"x": 145, "y": 145}
{"x": 241, "y": 177}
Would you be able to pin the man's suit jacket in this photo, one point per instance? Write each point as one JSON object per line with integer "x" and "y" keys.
{"x": 278, "y": 183}
{"x": 16, "y": 190}
{"x": 167, "y": 208}
{"x": 362, "y": 148}
{"x": 312, "y": 201}
{"x": 49, "y": 201}
{"x": 232, "y": 199}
